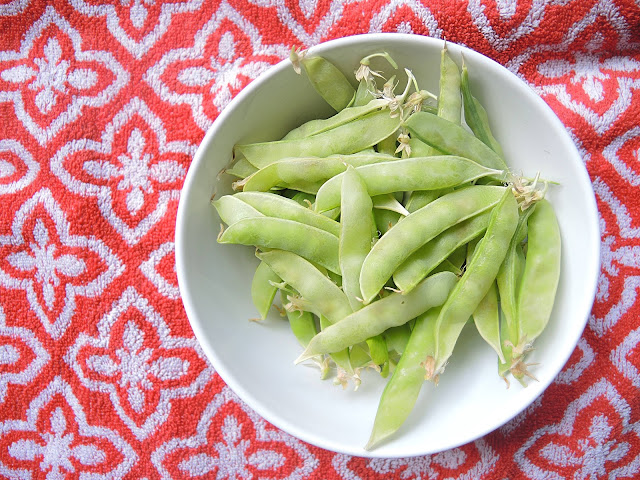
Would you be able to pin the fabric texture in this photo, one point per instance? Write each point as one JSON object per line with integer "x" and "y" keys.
{"x": 102, "y": 106}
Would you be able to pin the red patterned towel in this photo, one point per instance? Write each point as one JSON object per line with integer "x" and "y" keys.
{"x": 102, "y": 105}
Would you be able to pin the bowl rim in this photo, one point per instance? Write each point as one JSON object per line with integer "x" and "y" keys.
{"x": 199, "y": 157}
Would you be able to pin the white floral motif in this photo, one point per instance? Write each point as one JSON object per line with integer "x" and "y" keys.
{"x": 140, "y": 172}
{"x": 234, "y": 453}
{"x": 57, "y": 450}
{"x": 134, "y": 369}
{"x": 328, "y": 18}
{"x": 595, "y": 452}
{"x": 586, "y": 69}
{"x": 426, "y": 467}
{"x": 232, "y": 459}
{"x": 51, "y": 76}
{"x": 10, "y": 355}
{"x": 135, "y": 366}
{"x": 219, "y": 76}
{"x": 42, "y": 258}
{"x": 506, "y": 10}
{"x": 8, "y": 169}
{"x": 14, "y": 7}
{"x": 378, "y": 21}
{"x": 138, "y": 16}
{"x": 148, "y": 268}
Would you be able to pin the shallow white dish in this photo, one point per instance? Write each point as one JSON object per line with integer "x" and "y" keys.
{"x": 256, "y": 360}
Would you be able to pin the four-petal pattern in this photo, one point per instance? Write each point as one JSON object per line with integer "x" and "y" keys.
{"x": 140, "y": 365}
{"x": 134, "y": 172}
{"x": 51, "y": 79}
{"x": 53, "y": 266}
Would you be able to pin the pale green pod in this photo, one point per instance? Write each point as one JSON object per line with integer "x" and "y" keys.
{"x": 317, "y": 246}
{"x": 486, "y": 318}
{"x": 477, "y": 278}
{"x": 349, "y": 138}
{"x": 416, "y": 229}
{"x": 402, "y": 389}
{"x": 420, "y": 173}
{"x": 273, "y": 205}
{"x": 393, "y": 310}
{"x": 450, "y": 98}
{"x": 428, "y": 257}
{"x": 316, "y": 288}
{"x": 541, "y": 272}
{"x": 264, "y": 289}
{"x": 232, "y": 209}
{"x": 307, "y": 174}
{"x": 453, "y": 139}
{"x": 346, "y": 115}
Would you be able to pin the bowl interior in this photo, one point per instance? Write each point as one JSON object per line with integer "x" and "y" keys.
{"x": 256, "y": 359}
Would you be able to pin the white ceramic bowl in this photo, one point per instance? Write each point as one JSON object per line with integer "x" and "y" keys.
{"x": 256, "y": 360}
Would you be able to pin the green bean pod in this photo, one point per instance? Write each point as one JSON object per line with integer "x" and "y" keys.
{"x": 420, "y": 173}
{"x": 424, "y": 260}
{"x": 477, "y": 278}
{"x": 508, "y": 281}
{"x": 329, "y": 81}
{"x": 241, "y": 168}
{"x": 264, "y": 289}
{"x": 402, "y": 389}
{"x": 273, "y": 205}
{"x": 417, "y": 229}
{"x": 313, "y": 127}
{"x": 486, "y": 318}
{"x": 232, "y": 209}
{"x": 307, "y": 174}
{"x": 356, "y": 233}
{"x": 449, "y": 99}
{"x": 349, "y": 138}
{"x": 385, "y": 219}
{"x": 476, "y": 116}
{"x": 541, "y": 274}
{"x": 393, "y": 310}
{"x": 452, "y": 139}
{"x": 317, "y": 246}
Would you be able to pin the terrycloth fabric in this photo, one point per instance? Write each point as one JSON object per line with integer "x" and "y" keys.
{"x": 102, "y": 105}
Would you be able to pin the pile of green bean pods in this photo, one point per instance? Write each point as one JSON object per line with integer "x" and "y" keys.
{"x": 390, "y": 226}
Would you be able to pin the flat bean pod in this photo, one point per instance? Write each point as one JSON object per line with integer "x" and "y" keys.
{"x": 401, "y": 392}
{"x": 232, "y": 209}
{"x": 357, "y": 228}
{"x": 317, "y": 246}
{"x": 263, "y": 289}
{"x": 390, "y": 311}
{"x": 307, "y": 174}
{"x": 417, "y": 229}
{"x": 273, "y": 205}
{"x": 311, "y": 283}
{"x": 352, "y": 137}
{"x": 477, "y": 278}
{"x": 420, "y": 263}
{"x": 420, "y": 173}
{"x": 449, "y": 99}
{"x": 452, "y": 139}
{"x": 476, "y": 116}
{"x": 313, "y": 127}
{"x": 486, "y": 318}
{"x": 541, "y": 272}
{"x": 329, "y": 81}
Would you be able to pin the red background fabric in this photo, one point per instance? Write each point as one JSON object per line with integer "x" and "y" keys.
{"x": 102, "y": 105}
